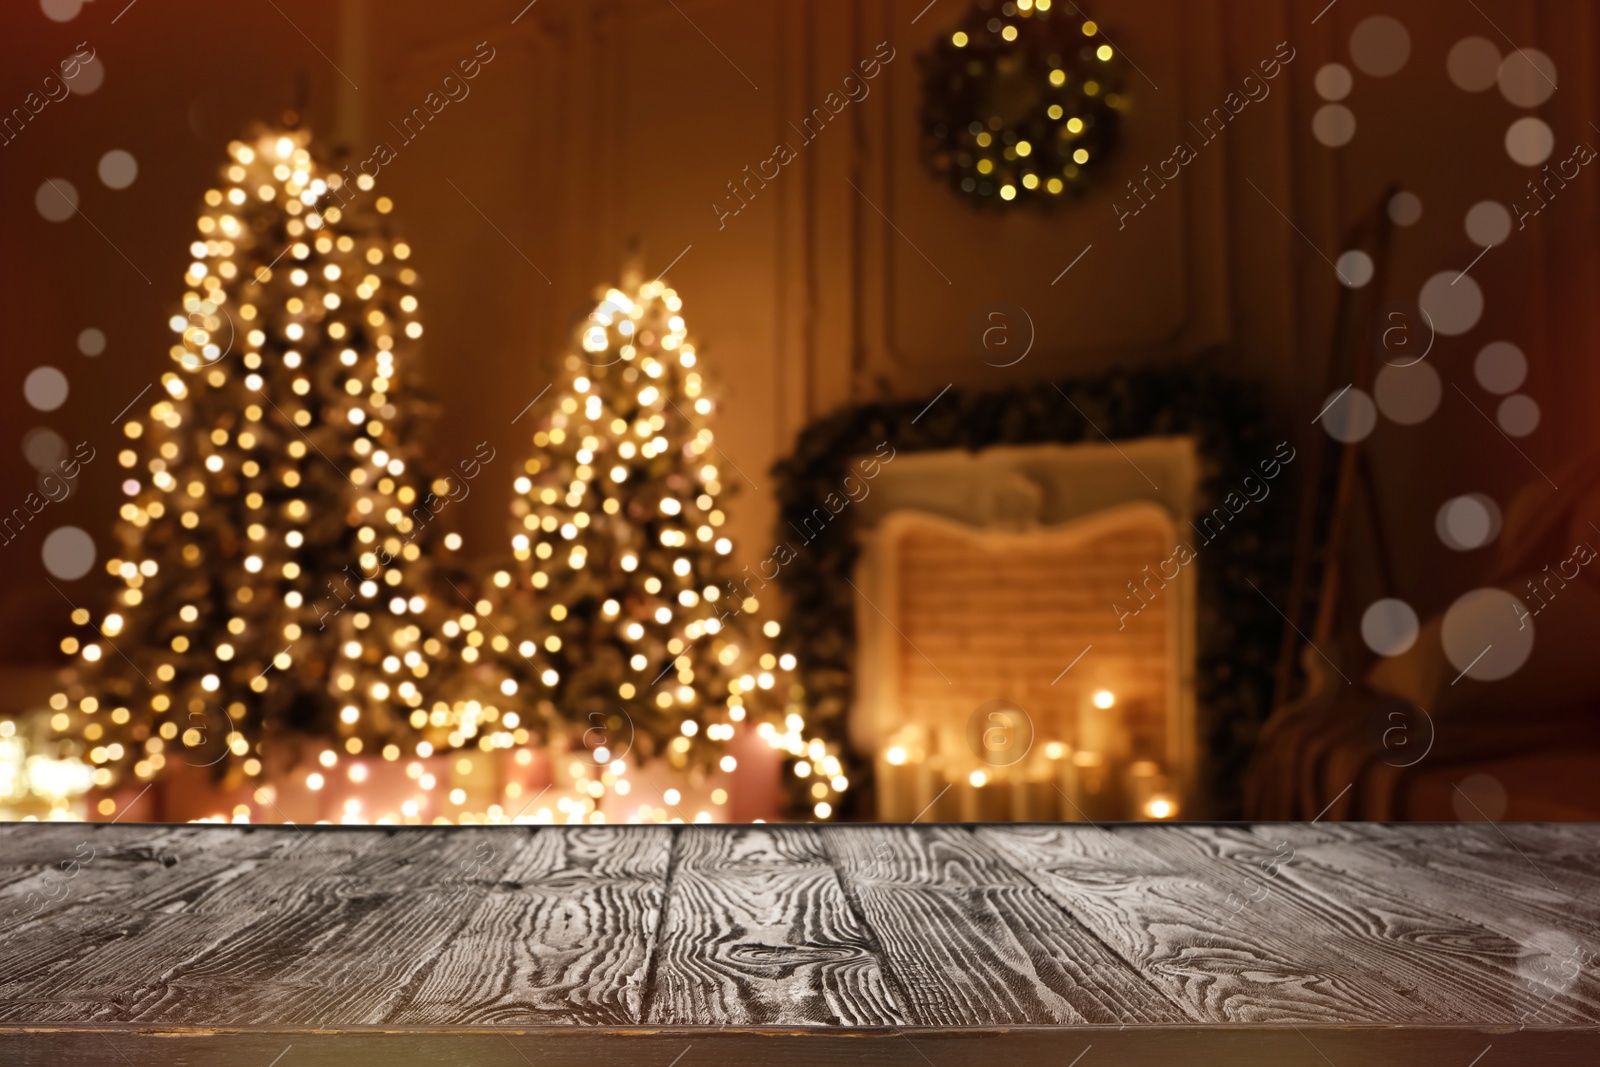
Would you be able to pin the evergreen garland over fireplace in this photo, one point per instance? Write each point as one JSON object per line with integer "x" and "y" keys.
{"x": 1238, "y": 626}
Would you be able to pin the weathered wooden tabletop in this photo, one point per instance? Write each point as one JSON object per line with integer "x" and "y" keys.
{"x": 1287, "y": 944}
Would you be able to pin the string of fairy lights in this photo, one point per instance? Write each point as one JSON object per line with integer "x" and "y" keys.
{"x": 280, "y": 622}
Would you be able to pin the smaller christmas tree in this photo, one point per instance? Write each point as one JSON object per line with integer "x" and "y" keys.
{"x": 622, "y": 599}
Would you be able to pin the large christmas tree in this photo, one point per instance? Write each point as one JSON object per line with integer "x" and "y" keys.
{"x": 622, "y": 599}
{"x": 275, "y": 541}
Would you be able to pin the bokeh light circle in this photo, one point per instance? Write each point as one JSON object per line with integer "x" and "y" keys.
{"x": 1334, "y": 81}
{"x": 56, "y": 199}
{"x": 61, "y": 10}
{"x": 1349, "y": 416}
{"x": 1469, "y": 521}
{"x": 1500, "y": 367}
{"x": 1405, "y": 208}
{"x": 1529, "y": 141}
{"x": 1473, "y": 64}
{"x": 45, "y": 388}
{"x": 1487, "y": 634}
{"x": 1354, "y": 268}
{"x": 1518, "y": 415}
{"x": 1380, "y": 46}
{"x": 1527, "y": 77}
{"x": 1479, "y": 798}
{"x": 1488, "y": 223}
{"x": 1407, "y": 394}
{"x": 1389, "y": 626}
{"x": 1333, "y": 125}
{"x": 68, "y": 553}
{"x": 88, "y": 77}
{"x": 118, "y": 169}
{"x": 43, "y": 448}
{"x": 1452, "y": 301}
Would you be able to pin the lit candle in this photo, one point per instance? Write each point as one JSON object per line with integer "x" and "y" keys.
{"x": 1081, "y": 785}
{"x": 983, "y": 801}
{"x": 1097, "y": 723}
{"x": 943, "y": 800}
{"x": 1056, "y": 770}
{"x": 897, "y": 785}
{"x": 1145, "y": 780}
{"x": 1100, "y": 732}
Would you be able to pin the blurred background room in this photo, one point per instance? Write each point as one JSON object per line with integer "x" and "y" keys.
{"x": 721, "y": 410}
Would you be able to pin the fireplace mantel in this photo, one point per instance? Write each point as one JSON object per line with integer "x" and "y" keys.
{"x": 1023, "y": 486}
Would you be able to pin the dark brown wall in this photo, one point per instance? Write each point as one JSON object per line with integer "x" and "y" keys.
{"x": 611, "y": 120}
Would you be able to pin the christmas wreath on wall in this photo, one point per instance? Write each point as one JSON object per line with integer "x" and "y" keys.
{"x": 1238, "y": 628}
{"x": 1020, "y": 103}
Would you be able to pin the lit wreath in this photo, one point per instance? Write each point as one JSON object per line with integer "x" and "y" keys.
{"x": 1021, "y": 102}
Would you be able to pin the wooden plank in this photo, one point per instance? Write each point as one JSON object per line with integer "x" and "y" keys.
{"x": 564, "y": 937}
{"x": 1542, "y": 875}
{"x": 758, "y": 932}
{"x": 1473, "y": 956}
{"x": 971, "y": 942}
{"x": 89, "y": 889}
{"x": 1509, "y": 856}
{"x": 43, "y": 866}
{"x": 303, "y": 930}
{"x": 835, "y": 945}
{"x": 1550, "y": 939}
{"x": 1243, "y": 930}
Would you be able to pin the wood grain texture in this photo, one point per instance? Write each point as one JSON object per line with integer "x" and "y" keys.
{"x": 1241, "y": 924}
{"x": 1000, "y": 951}
{"x": 759, "y": 933}
{"x": 1289, "y": 944}
{"x": 1453, "y": 965}
{"x": 1544, "y": 918}
{"x": 1514, "y": 857}
{"x": 196, "y": 929}
{"x": 569, "y": 923}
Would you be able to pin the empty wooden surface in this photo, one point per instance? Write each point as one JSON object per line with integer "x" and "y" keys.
{"x": 943, "y": 945}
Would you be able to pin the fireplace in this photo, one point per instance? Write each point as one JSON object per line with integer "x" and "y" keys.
{"x": 1025, "y": 627}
